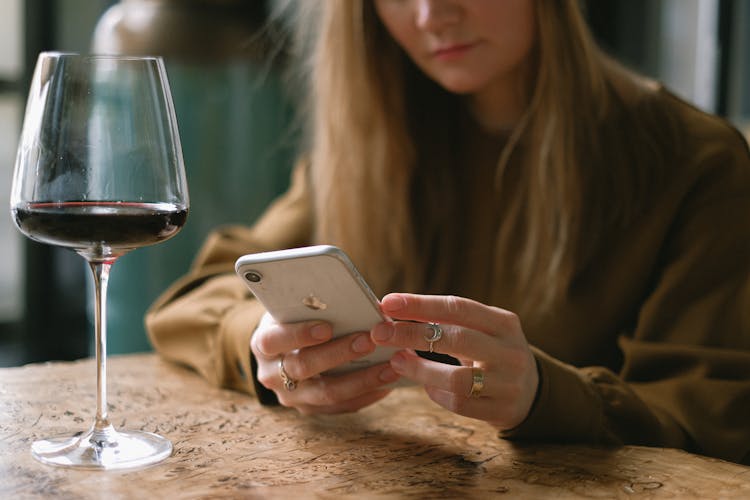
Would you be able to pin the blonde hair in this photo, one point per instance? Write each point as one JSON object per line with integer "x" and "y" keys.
{"x": 366, "y": 156}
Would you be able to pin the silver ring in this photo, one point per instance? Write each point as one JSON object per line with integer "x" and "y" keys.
{"x": 477, "y": 382}
{"x": 437, "y": 334}
{"x": 289, "y": 383}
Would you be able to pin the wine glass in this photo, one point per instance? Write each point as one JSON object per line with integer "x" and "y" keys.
{"x": 99, "y": 170}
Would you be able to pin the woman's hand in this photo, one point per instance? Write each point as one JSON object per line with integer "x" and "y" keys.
{"x": 304, "y": 351}
{"x": 488, "y": 341}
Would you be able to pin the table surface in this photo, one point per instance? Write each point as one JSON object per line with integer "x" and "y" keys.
{"x": 227, "y": 445}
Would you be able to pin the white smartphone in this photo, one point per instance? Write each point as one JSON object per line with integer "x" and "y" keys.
{"x": 315, "y": 283}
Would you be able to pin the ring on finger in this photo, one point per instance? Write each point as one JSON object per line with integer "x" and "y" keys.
{"x": 289, "y": 383}
{"x": 477, "y": 382}
{"x": 437, "y": 334}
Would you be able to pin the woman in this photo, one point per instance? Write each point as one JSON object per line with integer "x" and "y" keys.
{"x": 580, "y": 235}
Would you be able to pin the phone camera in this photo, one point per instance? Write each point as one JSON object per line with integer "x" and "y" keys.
{"x": 253, "y": 276}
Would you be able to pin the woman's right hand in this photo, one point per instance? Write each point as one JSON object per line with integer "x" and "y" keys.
{"x": 303, "y": 351}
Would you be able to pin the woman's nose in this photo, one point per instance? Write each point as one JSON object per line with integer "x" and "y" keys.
{"x": 433, "y": 15}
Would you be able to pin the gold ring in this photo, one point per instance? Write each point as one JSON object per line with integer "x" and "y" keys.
{"x": 437, "y": 334}
{"x": 289, "y": 383}
{"x": 477, "y": 382}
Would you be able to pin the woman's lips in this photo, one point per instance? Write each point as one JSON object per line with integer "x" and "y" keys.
{"x": 453, "y": 51}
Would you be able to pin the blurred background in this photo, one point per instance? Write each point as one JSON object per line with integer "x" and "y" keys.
{"x": 235, "y": 112}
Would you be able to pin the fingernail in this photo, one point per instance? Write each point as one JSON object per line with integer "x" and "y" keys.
{"x": 382, "y": 332}
{"x": 362, "y": 344}
{"x": 393, "y": 303}
{"x": 320, "y": 331}
{"x": 388, "y": 375}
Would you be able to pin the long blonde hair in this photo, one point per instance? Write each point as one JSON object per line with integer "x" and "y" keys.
{"x": 367, "y": 155}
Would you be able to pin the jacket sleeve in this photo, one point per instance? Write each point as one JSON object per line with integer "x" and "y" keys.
{"x": 685, "y": 378}
{"x": 206, "y": 318}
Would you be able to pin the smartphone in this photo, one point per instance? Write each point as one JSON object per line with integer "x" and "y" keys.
{"x": 315, "y": 283}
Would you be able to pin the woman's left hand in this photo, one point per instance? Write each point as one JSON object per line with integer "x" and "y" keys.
{"x": 489, "y": 342}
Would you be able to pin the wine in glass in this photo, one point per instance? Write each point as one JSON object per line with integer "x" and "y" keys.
{"x": 99, "y": 170}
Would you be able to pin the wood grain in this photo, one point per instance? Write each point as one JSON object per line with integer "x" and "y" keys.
{"x": 228, "y": 446}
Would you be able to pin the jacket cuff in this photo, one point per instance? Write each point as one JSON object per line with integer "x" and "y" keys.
{"x": 567, "y": 408}
{"x": 236, "y": 329}
{"x": 266, "y": 396}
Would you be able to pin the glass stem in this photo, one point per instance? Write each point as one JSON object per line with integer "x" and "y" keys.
{"x": 100, "y": 271}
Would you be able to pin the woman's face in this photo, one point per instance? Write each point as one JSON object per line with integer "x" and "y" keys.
{"x": 466, "y": 46}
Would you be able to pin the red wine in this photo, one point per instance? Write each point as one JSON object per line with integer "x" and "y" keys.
{"x": 101, "y": 228}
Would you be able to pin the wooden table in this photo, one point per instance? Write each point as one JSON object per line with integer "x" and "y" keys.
{"x": 228, "y": 446}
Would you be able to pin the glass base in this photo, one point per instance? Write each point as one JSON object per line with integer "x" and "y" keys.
{"x": 103, "y": 449}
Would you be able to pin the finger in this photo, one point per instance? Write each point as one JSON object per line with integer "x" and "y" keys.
{"x": 500, "y": 412}
{"x": 450, "y": 309}
{"x": 314, "y": 360}
{"x": 510, "y": 358}
{"x": 450, "y": 378}
{"x": 336, "y": 390}
{"x": 271, "y": 338}
{"x": 451, "y": 387}
{"x": 463, "y": 343}
{"x": 302, "y": 364}
{"x": 347, "y": 406}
